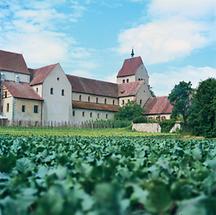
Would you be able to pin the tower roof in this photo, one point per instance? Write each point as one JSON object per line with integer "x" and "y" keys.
{"x": 130, "y": 67}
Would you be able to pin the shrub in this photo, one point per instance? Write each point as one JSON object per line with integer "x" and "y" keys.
{"x": 108, "y": 124}
{"x": 166, "y": 125}
{"x": 140, "y": 119}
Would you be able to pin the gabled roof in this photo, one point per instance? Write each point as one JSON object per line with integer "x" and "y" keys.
{"x": 39, "y": 75}
{"x": 94, "y": 87}
{"x": 130, "y": 67}
{"x": 158, "y": 105}
{"x": 21, "y": 90}
{"x": 13, "y": 62}
{"x": 95, "y": 106}
{"x": 129, "y": 89}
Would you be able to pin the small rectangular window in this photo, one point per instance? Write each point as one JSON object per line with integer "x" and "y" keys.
{"x": 127, "y": 80}
{"x": 105, "y": 101}
{"x": 140, "y": 101}
{"x": 113, "y": 102}
{"x": 122, "y": 102}
{"x": 97, "y": 100}
{"x": 106, "y": 116}
{"x": 80, "y": 97}
{"x": 88, "y": 98}
{"x": 123, "y": 81}
{"x": 5, "y": 94}
{"x": 37, "y": 90}
{"x": 91, "y": 115}
{"x": 23, "y": 108}
{"x": 98, "y": 115}
{"x": 51, "y": 91}
{"x": 73, "y": 112}
{"x": 62, "y": 92}
{"x": 35, "y": 109}
{"x": 83, "y": 113}
{"x": 8, "y": 106}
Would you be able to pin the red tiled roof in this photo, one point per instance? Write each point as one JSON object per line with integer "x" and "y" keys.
{"x": 158, "y": 105}
{"x": 39, "y": 75}
{"x": 13, "y": 62}
{"x": 130, "y": 66}
{"x": 21, "y": 90}
{"x": 95, "y": 106}
{"x": 129, "y": 89}
{"x": 94, "y": 87}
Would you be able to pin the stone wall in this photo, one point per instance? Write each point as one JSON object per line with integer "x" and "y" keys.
{"x": 147, "y": 127}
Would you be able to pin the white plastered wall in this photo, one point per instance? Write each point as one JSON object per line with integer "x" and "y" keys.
{"x": 11, "y": 76}
{"x": 78, "y": 118}
{"x": 56, "y": 107}
{"x": 29, "y": 114}
{"x": 101, "y": 99}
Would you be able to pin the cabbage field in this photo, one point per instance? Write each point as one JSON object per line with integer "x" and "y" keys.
{"x": 107, "y": 176}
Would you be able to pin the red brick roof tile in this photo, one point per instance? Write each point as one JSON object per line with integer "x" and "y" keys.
{"x": 13, "y": 62}
{"x": 94, "y": 87}
{"x": 21, "y": 90}
{"x": 130, "y": 66}
{"x": 39, "y": 75}
{"x": 95, "y": 106}
{"x": 129, "y": 89}
{"x": 158, "y": 105}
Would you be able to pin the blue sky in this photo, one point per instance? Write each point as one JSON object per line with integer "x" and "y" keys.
{"x": 91, "y": 38}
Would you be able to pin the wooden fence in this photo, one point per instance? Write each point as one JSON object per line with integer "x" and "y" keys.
{"x": 55, "y": 124}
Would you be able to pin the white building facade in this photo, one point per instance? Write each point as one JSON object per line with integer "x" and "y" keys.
{"x": 47, "y": 95}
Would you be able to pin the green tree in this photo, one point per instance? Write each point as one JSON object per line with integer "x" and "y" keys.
{"x": 180, "y": 98}
{"x": 202, "y": 118}
{"x": 129, "y": 111}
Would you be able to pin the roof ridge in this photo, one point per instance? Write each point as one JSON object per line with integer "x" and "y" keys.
{"x": 91, "y": 79}
{"x": 45, "y": 66}
{"x": 11, "y": 52}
